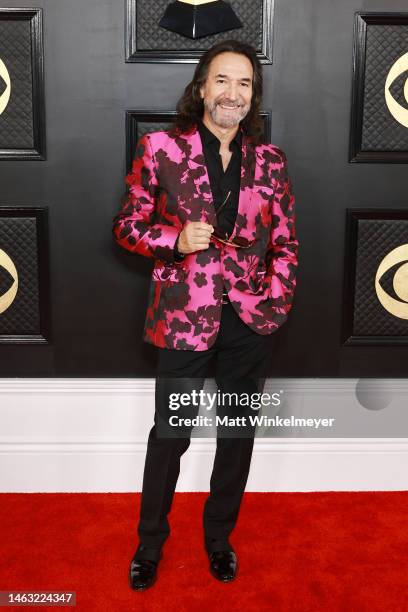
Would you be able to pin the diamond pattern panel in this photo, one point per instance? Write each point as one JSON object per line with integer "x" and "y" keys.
{"x": 16, "y": 122}
{"x": 151, "y": 37}
{"x": 376, "y": 238}
{"x": 144, "y": 127}
{"x": 381, "y": 132}
{"x": 18, "y": 238}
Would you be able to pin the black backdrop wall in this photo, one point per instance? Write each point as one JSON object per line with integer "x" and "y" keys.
{"x": 98, "y": 292}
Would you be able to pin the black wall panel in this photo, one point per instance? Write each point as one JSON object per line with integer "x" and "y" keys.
{"x": 99, "y": 292}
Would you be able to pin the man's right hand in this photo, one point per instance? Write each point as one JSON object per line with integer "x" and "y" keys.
{"x": 195, "y": 236}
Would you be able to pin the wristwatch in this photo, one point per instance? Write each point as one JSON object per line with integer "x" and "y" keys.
{"x": 177, "y": 255}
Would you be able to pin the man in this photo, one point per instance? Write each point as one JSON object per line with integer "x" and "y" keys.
{"x": 213, "y": 207}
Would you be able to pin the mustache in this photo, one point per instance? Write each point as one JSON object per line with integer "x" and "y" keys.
{"x": 228, "y": 101}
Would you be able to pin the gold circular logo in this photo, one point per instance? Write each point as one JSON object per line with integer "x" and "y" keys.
{"x": 400, "y": 282}
{"x": 5, "y": 96}
{"x": 397, "y": 111}
{"x": 8, "y": 298}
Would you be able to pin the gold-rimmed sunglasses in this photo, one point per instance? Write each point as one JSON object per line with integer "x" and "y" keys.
{"x": 237, "y": 241}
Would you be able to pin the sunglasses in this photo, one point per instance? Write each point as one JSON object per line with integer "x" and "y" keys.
{"x": 237, "y": 242}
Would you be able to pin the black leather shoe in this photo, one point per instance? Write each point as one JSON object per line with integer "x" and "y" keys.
{"x": 223, "y": 565}
{"x": 143, "y": 571}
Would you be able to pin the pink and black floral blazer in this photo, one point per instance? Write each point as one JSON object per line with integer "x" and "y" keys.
{"x": 168, "y": 186}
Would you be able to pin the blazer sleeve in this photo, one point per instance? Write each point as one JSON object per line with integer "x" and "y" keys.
{"x": 282, "y": 254}
{"x": 134, "y": 228}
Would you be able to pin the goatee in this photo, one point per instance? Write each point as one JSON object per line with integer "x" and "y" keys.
{"x": 226, "y": 121}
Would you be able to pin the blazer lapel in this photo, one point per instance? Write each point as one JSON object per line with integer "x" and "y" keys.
{"x": 202, "y": 204}
{"x": 248, "y": 162}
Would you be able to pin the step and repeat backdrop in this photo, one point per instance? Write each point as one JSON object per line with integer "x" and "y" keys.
{"x": 80, "y": 83}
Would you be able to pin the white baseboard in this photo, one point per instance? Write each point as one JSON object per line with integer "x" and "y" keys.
{"x": 89, "y": 435}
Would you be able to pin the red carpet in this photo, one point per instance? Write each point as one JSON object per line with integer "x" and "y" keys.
{"x": 297, "y": 552}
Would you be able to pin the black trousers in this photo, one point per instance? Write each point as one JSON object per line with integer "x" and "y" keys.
{"x": 240, "y": 355}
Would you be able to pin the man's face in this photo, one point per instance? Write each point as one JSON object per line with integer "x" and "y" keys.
{"x": 227, "y": 91}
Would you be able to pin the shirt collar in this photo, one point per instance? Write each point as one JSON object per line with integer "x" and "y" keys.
{"x": 208, "y": 137}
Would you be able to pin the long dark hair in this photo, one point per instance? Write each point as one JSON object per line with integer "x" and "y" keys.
{"x": 190, "y": 107}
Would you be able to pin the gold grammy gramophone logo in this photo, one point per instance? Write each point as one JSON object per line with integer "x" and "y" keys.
{"x": 5, "y": 96}
{"x": 8, "y": 298}
{"x": 399, "y": 282}
{"x": 396, "y": 109}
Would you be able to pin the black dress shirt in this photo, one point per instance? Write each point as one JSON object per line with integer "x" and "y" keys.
{"x": 221, "y": 182}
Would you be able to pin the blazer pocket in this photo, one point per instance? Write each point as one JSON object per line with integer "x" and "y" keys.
{"x": 264, "y": 200}
{"x": 265, "y": 193}
{"x": 169, "y": 272}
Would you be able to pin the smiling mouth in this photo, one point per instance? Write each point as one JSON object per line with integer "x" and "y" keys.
{"x": 228, "y": 107}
